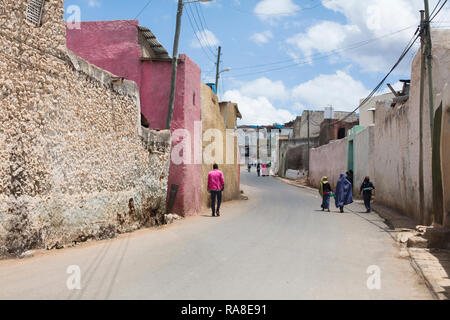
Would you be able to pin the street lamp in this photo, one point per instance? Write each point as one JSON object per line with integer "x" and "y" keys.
{"x": 218, "y": 76}
{"x": 181, "y": 3}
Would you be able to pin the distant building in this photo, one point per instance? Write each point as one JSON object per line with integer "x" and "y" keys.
{"x": 315, "y": 121}
{"x": 367, "y": 111}
{"x": 260, "y": 144}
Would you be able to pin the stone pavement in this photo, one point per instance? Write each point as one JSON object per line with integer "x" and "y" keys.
{"x": 433, "y": 265}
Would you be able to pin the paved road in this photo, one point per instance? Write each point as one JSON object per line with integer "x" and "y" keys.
{"x": 274, "y": 246}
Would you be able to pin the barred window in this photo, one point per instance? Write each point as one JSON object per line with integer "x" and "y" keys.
{"x": 34, "y": 11}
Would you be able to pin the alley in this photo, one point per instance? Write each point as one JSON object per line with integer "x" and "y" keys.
{"x": 277, "y": 245}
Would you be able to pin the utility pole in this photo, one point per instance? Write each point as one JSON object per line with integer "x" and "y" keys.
{"x": 422, "y": 94}
{"x": 257, "y": 143}
{"x": 217, "y": 69}
{"x": 308, "y": 142}
{"x": 174, "y": 65}
{"x": 429, "y": 56}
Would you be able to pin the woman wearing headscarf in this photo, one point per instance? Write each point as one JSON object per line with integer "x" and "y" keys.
{"x": 325, "y": 191}
{"x": 344, "y": 194}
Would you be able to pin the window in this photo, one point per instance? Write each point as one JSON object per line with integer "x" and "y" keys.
{"x": 34, "y": 11}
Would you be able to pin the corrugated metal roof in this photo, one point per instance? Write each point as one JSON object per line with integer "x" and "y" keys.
{"x": 154, "y": 44}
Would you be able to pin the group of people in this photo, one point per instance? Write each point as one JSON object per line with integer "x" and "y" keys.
{"x": 343, "y": 194}
{"x": 263, "y": 168}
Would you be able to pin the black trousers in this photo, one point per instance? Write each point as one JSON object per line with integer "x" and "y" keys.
{"x": 367, "y": 197}
{"x": 216, "y": 195}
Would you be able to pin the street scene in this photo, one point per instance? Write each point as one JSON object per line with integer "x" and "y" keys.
{"x": 276, "y": 246}
{"x": 220, "y": 150}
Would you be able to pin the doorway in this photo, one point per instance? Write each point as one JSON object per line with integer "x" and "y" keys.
{"x": 438, "y": 205}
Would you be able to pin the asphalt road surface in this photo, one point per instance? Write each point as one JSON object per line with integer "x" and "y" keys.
{"x": 277, "y": 245}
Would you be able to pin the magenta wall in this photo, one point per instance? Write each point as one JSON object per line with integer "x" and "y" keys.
{"x": 113, "y": 46}
{"x": 110, "y": 45}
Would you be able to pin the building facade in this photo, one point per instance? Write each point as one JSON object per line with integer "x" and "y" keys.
{"x": 132, "y": 52}
{"x": 75, "y": 163}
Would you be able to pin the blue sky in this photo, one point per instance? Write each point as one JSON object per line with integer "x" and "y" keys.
{"x": 285, "y": 55}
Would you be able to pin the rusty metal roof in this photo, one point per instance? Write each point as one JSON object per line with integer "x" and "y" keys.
{"x": 154, "y": 44}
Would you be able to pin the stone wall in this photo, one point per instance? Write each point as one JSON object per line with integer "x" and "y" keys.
{"x": 114, "y": 46}
{"x": 212, "y": 119}
{"x": 293, "y": 154}
{"x": 74, "y": 161}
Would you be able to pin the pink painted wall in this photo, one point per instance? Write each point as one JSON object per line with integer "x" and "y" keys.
{"x": 113, "y": 46}
{"x": 110, "y": 45}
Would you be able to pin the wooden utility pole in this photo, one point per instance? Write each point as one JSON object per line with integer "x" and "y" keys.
{"x": 429, "y": 56}
{"x": 307, "y": 161}
{"x": 174, "y": 66}
{"x": 422, "y": 89}
{"x": 218, "y": 69}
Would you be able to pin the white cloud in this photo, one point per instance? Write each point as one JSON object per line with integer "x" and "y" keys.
{"x": 263, "y": 87}
{"x": 258, "y": 111}
{"x": 275, "y": 8}
{"x": 323, "y": 37}
{"x": 207, "y": 39}
{"x": 339, "y": 90}
{"x": 262, "y": 37}
{"x": 377, "y": 20}
{"x": 94, "y": 4}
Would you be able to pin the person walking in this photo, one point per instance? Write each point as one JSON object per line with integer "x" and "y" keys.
{"x": 325, "y": 191}
{"x": 366, "y": 189}
{"x": 258, "y": 169}
{"x": 264, "y": 170}
{"x": 344, "y": 194}
{"x": 249, "y": 168}
{"x": 216, "y": 184}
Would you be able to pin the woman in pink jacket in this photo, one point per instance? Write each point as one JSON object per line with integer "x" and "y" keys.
{"x": 216, "y": 184}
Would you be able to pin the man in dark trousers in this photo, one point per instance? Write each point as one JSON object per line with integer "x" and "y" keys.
{"x": 216, "y": 185}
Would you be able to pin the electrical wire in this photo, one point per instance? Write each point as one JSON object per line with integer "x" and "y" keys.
{"x": 377, "y": 88}
{"x": 199, "y": 41}
{"x": 434, "y": 16}
{"x": 200, "y": 32}
{"x": 202, "y": 19}
{"x": 280, "y": 13}
{"x": 315, "y": 57}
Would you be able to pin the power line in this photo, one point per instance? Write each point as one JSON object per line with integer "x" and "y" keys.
{"x": 143, "y": 9}
{"x": 377, "y": 88}
{"x": 279, "y": 13}
{"x": 199, "y": 41}
{"x": 432, "y": 18}
{"x": 201, "y": 16}
{"x": 314, "y": 57}
{"x": 201, "y": 33}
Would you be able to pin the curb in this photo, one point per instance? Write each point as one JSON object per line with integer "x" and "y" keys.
{"x": 429, "y": 283}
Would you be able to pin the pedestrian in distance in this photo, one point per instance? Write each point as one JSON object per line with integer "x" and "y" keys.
{"x": 343, "y": 192}
{"x": 264, "y": 170}
{"x": 249, "y": 168}
{"x": 216, "y": 185}
{"x": 366, "y": 189}
{"x": 325, "y": 192}
{"x": 258, "y": 169}
{"x": 350, "y": 176}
